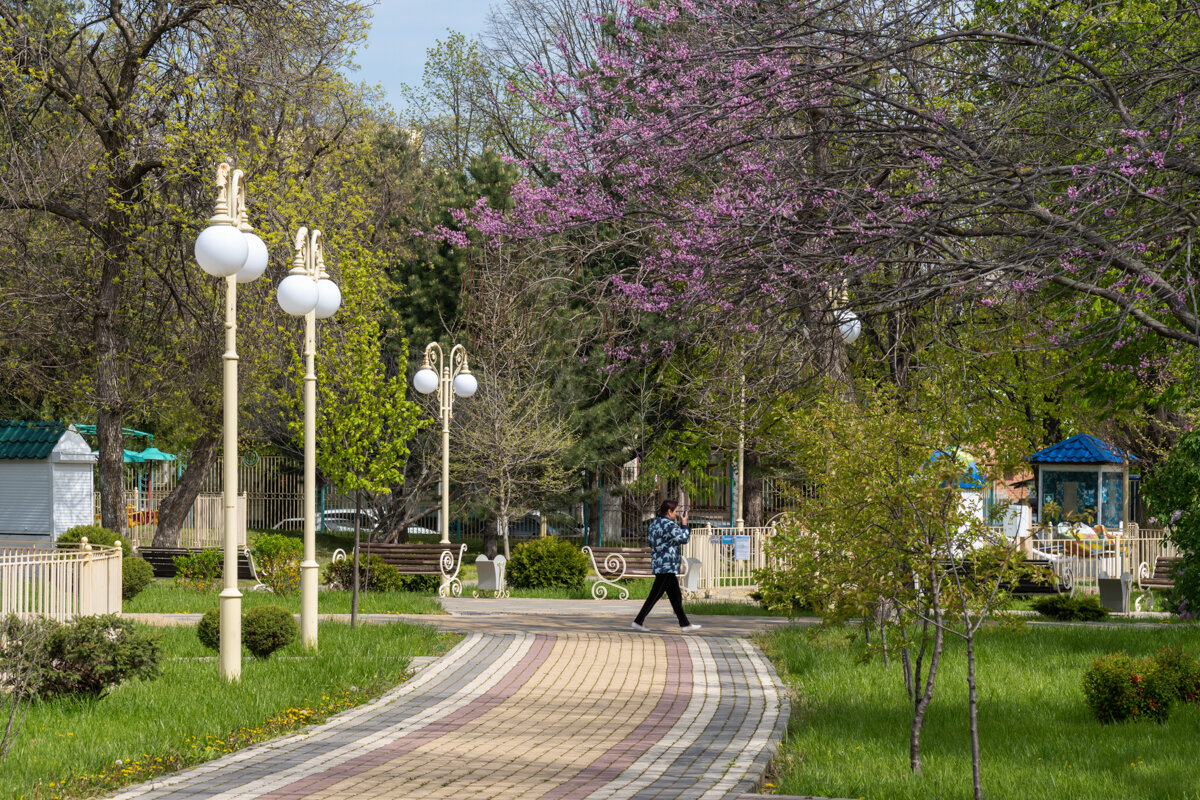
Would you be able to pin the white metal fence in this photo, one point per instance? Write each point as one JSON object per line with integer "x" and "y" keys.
{"x": 1081, "y": 561}
{"x": 63, "y": 583}
{"x": 204, "y": 526}
{"x": 728, "y": 557}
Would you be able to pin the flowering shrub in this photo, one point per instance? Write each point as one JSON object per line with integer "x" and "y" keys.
{"x": 1117, "y": 687}
{"x": 1181, "y": 670}
{"x": 277, "y": 559}
{"x": 200, "y": 571}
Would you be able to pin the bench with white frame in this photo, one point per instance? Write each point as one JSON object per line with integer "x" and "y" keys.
{"x": 612, "y": 564}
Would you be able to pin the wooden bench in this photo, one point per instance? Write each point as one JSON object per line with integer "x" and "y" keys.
{"x": 162, "y": 561}
{"x": 1163, "y": 577}
{"x": 612, "y": 564}
{"x": 443, "y": 560}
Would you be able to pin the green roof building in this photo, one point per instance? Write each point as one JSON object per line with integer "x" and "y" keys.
{"x": 45, "y": 480}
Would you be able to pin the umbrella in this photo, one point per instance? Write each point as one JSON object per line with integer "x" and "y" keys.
{"x": 131, "y": 457}
{"x": 154, "y": 454}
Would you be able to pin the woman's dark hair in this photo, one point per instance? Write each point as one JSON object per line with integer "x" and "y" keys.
{"x": 665, "y": 506}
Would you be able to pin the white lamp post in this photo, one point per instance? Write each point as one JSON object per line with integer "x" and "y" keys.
{"x": 229, "y": 249}
{"x": 307, "y": 292}
{"x": 455, "y": 379}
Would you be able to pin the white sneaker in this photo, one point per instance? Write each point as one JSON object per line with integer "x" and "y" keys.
{"x": 690, "y": 628}
{"x": 641, "y": 628}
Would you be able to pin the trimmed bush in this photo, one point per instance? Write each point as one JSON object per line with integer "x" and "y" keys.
{"x": 265, "y": 629}
{"x": 277, "y": 558}
{"x": 208, "y": 630}
{"x": 95, "y": 534}
{"x": 549, "y": 563}
{"x": 1118, "y": 688}
{"x": 376, "y": 575}
{"x": 1071, "y": 609}
{"x": 200, "y": 571}
{"x": 136, "y": 574}
{"x": 93, "y": 654}
{"x": 1182, "y": 671}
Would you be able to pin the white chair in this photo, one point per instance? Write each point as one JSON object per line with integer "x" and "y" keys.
{"x": 491, "y": 576}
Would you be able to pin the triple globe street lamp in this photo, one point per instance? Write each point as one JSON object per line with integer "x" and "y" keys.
{"x": 449, "y": 377}
{"x": 308, "y": 292}
{"x": 228, "y": 248}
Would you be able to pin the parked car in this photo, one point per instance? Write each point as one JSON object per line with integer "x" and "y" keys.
{"x": 335, "y": 519}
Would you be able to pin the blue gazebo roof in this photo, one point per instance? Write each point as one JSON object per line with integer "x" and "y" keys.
{"x": 1080, "y": 449}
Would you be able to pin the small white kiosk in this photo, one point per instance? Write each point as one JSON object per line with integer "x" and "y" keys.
{"x": 45, "y": 480}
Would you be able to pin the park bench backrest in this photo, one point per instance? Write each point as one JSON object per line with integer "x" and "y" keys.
{"x": 637, "y": 559}
{"x": 411, "y": 559}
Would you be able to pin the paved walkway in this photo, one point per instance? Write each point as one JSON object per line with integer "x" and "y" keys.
{"x": 552, "y": 700}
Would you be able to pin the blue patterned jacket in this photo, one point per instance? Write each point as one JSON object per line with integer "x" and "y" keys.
{"x": 665, "y": 537}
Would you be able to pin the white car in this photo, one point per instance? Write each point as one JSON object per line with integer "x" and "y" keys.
{"x": 341, "y": 519}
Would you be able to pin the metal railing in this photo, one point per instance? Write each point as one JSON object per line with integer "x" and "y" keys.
{"x": 204, "y": 526}
{"x": 728, "y": 557}
{"x": 69, "y": 581}
{"x": 1081, "y": 561}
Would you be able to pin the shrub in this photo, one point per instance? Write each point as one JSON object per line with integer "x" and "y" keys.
{"x": 1181, "y": 670}
{"x": 277, "y": 559}
{"x": 550, "y": 563}
{"x": 1066, "y": 608}
{"x": 1117, "y": 687}
{"x": 136, "y": 574}
{"x": 265, "y": 629}
{"x": 200, "y": 571}
{"x": 208, "y": 630}
{"x": 93, "y": 654}
{"x": 95, "y": 534}
{"x": 376, "y": 575}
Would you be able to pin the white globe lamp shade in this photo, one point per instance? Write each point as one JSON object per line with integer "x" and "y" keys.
{"x": 256, "y": 259}
{"x": 848, "y": 326}
{"x": 425, "y": 381}
{"x": 297, "y": 295}
{"x": 465, "y": 384}
{"x": 221, "y": 250}
{"x": 329, "y": 298}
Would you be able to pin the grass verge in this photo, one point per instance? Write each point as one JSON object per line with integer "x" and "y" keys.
{"x": 73, "y": 748}
{"x": 848, "y": 734}
{"x": 163, "y": 596}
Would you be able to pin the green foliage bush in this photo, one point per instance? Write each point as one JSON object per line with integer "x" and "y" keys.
{"x": 200, "y": 571}
{"x": 136, "y": 574}
{"x": 265, "y": 629}
{"x": 550, "y": 563}
{"x": 1172, "y": 493}
{"x": 277, "y": 559}
{"x": 1118, "y": 688}
{"x": 1181, "y": 670}
{"x": 376, "y": 575}
{"x": 208, "y": 630}
{"x": 95, "y": 534}
{"x": 1071, "y": 609}
{"x": 92, "y": 654}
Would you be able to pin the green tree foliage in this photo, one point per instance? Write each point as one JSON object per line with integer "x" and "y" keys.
{"x": 1172, "y": 493}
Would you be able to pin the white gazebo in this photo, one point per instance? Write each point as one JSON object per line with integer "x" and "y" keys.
{"x": 45, "y": 480}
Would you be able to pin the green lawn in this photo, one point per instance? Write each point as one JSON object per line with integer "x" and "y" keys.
{"x": 163, "y": 596}
{"x": 72, "y": 747}
{"x": 848, "y": 735}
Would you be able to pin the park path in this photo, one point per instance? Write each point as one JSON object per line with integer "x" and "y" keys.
{"x": 538, "y": 707}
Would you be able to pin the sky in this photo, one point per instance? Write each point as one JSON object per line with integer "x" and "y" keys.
{"x": 404, "y": 29}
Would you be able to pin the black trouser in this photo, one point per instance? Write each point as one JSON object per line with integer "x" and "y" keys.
{"x": 670, "y": 585}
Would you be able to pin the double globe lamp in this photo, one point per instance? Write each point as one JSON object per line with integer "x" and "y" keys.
{"x": 228, "y": 248}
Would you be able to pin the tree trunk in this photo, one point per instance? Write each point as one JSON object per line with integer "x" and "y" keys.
{"x": 926, "y": 697}
{"x": 174, "y": 510}
{"x": 973, "y": 715}
{"x": 489, "y": 538}
{"x": 111, "y": 468}
{"x": 354, "y": 592}
{"x": 754, "y": 513}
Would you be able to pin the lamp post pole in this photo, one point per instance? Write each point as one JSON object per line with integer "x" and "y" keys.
{"x": 449, "y": 377}
{"x": 308, "y": 292}
{"x": 229, "y": 249}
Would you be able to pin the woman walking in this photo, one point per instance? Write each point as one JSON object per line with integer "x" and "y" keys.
{"x": 667, "y": 532}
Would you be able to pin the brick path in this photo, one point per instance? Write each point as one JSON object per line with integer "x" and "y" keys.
{"x": 544, "y": 714}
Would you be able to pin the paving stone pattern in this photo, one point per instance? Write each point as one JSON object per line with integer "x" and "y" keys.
{"x": 540, "y": 715}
